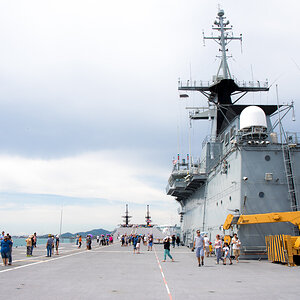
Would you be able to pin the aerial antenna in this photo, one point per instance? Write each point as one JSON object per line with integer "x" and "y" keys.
{"x": 223, "y": 40}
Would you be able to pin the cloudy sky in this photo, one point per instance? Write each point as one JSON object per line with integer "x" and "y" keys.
{"x": 90, "y": 117}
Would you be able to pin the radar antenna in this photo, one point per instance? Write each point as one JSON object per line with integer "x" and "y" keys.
{"x": 223, "y": 40}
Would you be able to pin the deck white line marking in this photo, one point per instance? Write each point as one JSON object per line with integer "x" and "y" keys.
{"x": 48, "y": 260}
{"x": 163, "y": 275}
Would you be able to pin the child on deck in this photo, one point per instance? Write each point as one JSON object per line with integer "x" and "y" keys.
{"x": 226, "y": 254}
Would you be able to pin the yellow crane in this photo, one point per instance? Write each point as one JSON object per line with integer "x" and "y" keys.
{"x": 280, "y": 248}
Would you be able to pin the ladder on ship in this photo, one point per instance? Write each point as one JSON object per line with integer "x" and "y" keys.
{"x": 288, "y": 165}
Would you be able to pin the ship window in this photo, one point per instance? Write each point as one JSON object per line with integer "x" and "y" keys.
{"x": 222, "y": 137}
{"x": 232, "y": 132}
{"x": 267, "y": 157}
{"x": 217, "y": 203}
{"x": 261, "y": 194}
{"x": 227, "y": 138}
{"x": 221, "y": 202}
{"x": 229, "y": 198}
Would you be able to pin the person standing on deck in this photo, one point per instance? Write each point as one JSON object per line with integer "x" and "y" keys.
{"x": 28, "y": 246}
{"x": 134, "y": 242}
{"x": 199, "y": 245}
{"x": 10, "y": 247}
{"x": 49, "y": 245}
{"x": 150, "y": 243}
{"x": 206, "y": 241}
{"x": 79, "y": 241}
{"x": 34, "y": 240}
{"x": 236, "y": 244}
{"x": 56, "y": 243}
{"x": 167, "y": 248}
{"x": 5, "y": 248}
{"x": 218, "y": 248}
{"x": 173, "y": 240}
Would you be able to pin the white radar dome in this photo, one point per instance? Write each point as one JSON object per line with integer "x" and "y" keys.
{"x": 252, "y": 116}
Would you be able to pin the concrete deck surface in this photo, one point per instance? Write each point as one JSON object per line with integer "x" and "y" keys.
{"x": 114, "y": 272}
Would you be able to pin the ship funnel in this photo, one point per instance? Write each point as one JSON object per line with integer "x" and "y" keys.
{"x": 253, "y": 123}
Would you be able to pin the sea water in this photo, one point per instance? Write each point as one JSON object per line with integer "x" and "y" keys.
{"x": 18, "y": 242}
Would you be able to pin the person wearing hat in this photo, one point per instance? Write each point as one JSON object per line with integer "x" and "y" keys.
{"x": 56, "y": 243}
{"x": 6, "y": 245}
{"x": 49, "y": 245}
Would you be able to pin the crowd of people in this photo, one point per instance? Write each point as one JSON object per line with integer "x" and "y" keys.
{"x": 222, "y": 249}
{"x": 100, "y": 240}
{"x": 136, "y": 240}
{"x": 202, "y": 246}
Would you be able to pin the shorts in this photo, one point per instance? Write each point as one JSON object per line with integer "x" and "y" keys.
{"x": 206, "y": 248}
{"x": 5, "y": 254}
{"x": 236, "y": 252}
{"x": 199, "y": 251}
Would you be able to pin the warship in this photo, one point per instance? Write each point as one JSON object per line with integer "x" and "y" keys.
{"x": 248, "y": 163}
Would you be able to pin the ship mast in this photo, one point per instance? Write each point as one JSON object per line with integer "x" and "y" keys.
{"x": 126, "y": 217}
{"x": 223, "y": 39}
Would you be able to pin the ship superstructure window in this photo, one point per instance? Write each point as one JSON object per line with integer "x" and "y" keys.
{"x": 232, "y": 132}
{"x": 227, "y": 138}
{"x": 222, "y": 137}
{"x": 267, "y": 157}
{"x": 261, "y": 194}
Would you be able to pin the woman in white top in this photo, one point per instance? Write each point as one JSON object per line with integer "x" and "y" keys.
{"x": 218, "y": 248}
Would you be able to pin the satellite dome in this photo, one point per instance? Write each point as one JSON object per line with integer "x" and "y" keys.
{"x": 252, "y": 116}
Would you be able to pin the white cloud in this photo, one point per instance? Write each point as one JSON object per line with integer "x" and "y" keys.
{"x": 92, "y": 175}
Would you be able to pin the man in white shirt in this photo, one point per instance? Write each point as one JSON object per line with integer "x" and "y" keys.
{"x": 199, "y": 245}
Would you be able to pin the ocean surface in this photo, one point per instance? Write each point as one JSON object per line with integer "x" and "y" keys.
{"x": 18, "y": 242}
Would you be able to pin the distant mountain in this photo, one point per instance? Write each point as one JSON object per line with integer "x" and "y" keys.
{"x": 93, "y": 232}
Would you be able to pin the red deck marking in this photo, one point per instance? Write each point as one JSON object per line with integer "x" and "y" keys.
{"x": 163, "y": 275}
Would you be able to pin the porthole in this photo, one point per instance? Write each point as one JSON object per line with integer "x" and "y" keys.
{"x": 261, "y": 194}
{"x": 267, "y": 158}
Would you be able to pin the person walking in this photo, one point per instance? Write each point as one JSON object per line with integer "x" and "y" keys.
{"x": 138, "y": 245}
{"x": 167, "y": 249}
{"x": 6, "y": 245}
{"x": 206, "y": 242}
{"x": 178, "y": 241}
{"x": 199, "y": 245}
{"x": 218, "y": 248}
{"x": 226, "y": 254}
{"x": 79, "y": 241}
{"x": 236, "y": 244}
{"x": 49, "y": 245}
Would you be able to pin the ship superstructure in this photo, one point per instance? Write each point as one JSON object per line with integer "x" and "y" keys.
{"x": 245, "y": 165}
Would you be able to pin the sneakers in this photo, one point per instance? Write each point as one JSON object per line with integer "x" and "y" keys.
{"x": 202, "y": 263}
{"x": 199, "y": 265}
